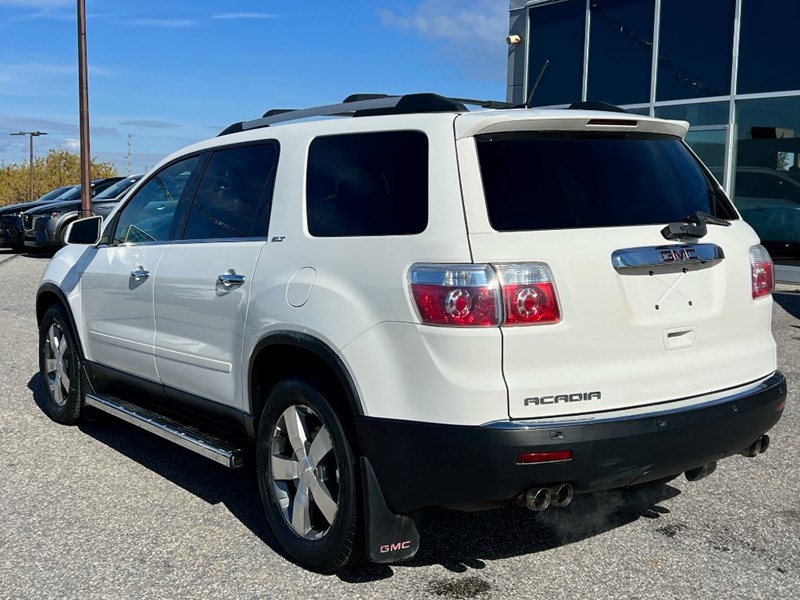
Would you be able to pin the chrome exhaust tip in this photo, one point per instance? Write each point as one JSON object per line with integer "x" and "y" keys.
{"x": 758, "y": 447}
{"x": 561, "y": 495}
{"x": 700, "y": 472}
{"x": 537, "y": 499}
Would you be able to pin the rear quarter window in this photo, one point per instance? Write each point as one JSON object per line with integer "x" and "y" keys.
{"x": 573, "y": 180}
{"x": 368, "y": 184}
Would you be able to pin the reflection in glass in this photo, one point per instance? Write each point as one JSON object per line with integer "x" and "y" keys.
{"x": 709, "y": 145}
{"x": 556, "y": 35}
{"x": 701, "y": 113}
{"x": 148, "y": 216}
{"x": 695, "y": 49}
{"x": 767, "y": 189}
{"x": 768, "y": 48}
{"x": 620, "y": 51}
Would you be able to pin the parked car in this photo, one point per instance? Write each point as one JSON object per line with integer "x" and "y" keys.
{"x": 11, "y": 230}
{"x": 45, "y": 226}
{"x": 769, "y": 199}
{"x": 420, "y": 305}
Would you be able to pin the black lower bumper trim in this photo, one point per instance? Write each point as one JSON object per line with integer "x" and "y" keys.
{"x": 423, "y": 464}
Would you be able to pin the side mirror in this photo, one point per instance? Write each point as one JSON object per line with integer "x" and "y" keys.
{"x": 85, "y": 231}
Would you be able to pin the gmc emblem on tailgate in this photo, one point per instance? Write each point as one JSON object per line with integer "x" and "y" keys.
{"x": 679, "y": 255}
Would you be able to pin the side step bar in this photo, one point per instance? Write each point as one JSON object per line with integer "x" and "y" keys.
{"x": 190, "y": 438}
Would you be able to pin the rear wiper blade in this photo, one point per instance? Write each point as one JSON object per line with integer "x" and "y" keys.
{"x": 694, "y": 225}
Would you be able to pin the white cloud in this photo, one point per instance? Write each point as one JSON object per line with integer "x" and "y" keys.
{"x": 24, "y": 79}
{"x": 72, "y": 144}
{"x": 470, "y": 34}
{"x": 167, "y": 23}
{"x": 483, "y": 21}
{"x": 27, "y": 123}
{"x": 245, "y": 15}
{"x": 37, "y": 4}
{"x": 150, "y": 124}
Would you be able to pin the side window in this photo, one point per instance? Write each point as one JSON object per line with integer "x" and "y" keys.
{"x": 147, "y": 217}
{"x": 368, "y": 184}
{"x": 234, "y": 194}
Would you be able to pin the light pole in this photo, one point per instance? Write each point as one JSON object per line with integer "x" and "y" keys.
{"x": 83, "y": 105}
{"x": 31, "y": 135}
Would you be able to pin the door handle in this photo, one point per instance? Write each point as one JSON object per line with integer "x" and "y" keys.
{"x": 230, "y": 278}
{"x": 139, "y": 274}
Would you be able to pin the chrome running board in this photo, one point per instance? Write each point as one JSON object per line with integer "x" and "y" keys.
{"x": 190, "y": 438}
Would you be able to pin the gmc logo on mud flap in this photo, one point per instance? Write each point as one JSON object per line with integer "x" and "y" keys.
{"x": 562, "y": 398}
{"x": 678, "y": 256}
{"x": 395, "y": 547}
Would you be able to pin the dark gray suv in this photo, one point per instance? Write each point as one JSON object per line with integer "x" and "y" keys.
{"x": 46, "y": 226}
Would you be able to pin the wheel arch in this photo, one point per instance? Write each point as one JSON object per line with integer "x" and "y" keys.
{"x": 282, "y": 354}
{"x": 50, "y": 294}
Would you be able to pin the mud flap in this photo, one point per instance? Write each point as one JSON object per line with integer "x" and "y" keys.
{"x": 390, "y": 537}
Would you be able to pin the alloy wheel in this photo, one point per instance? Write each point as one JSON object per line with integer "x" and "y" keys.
{"x": 304, "y": 472}
{"x": 56, "y": 364}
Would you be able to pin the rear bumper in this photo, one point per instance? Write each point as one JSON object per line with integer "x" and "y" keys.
{"x": 424, "y": 464}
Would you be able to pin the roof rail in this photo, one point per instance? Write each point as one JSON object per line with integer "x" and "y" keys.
{"x": 362, "y": 105}
{"x": 277, "y": 111}
{"x": 485, "y": 103}
{"x": 359, "y": 97}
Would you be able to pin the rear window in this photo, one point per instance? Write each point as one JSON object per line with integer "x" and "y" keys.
{"x": 368, "y": 184}
{"x": 574, "y": 180}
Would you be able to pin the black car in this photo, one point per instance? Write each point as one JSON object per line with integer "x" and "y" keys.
{"x": 46, "y": 226}
{"x": 11, "y": 231}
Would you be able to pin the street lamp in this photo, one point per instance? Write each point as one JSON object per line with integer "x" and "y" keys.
{"x": 31, "y": 134}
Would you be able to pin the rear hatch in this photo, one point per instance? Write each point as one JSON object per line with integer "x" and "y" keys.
{"x": 642, "y": 319}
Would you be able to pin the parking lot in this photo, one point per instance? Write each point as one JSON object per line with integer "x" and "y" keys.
{"x": 106, "y": 510}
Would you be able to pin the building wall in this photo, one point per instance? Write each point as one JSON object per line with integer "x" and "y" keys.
{"x": 728, "y": 67}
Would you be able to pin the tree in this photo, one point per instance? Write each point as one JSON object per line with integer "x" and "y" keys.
{"x": 57, "y": 168}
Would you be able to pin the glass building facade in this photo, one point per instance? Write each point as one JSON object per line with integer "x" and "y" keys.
{"x": 728, "y": 67}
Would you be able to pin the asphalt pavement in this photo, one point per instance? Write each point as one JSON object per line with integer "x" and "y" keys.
{"x": 105, "y": 510}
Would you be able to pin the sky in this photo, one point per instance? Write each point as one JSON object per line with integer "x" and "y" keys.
{"x": 165, "y": 75}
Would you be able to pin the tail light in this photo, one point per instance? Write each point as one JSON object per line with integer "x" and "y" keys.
{"x": 762, "y": 275}
{"x": 529, "y": 296}
{"x": 466, "y": 295}
{"x": 484, "y": 295}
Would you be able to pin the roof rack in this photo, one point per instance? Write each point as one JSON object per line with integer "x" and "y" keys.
{"x": 362, "y": 105}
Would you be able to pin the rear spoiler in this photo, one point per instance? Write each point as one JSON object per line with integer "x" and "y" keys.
{"x": 472, "y": 124}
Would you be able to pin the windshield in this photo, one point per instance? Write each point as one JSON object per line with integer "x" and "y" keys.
{"x": 72, "y": 193}
{"x": 54, "y": 194}
{"x": 572, "y": 180}
{"x": 98, "y": 185}
{"x": 118, "y": 188}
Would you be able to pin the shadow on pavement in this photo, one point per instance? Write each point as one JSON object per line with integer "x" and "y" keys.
{"x": 789, "y": 302}
{"x": 457, "y": 541}
{"x": 461, "y": 541}
{"x": 27, "y": 252}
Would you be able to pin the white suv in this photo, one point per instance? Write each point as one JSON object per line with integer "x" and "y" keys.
{"x": 409, "y": 304}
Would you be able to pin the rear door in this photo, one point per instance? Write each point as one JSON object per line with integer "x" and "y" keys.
{"x": 202, "y": 288}
{"x": 643, "y": 319}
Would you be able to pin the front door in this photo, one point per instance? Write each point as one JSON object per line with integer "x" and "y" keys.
{"x": 117, "y": 287}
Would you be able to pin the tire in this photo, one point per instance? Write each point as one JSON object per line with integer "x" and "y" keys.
{"x": 308, "y": 478}
{"x": 59, "y": 367}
